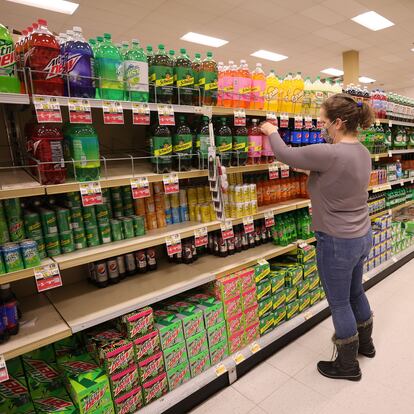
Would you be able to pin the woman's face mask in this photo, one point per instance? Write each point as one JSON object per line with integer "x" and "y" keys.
{"x": 325, "y": 134}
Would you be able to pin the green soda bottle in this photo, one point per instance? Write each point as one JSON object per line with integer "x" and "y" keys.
{"x": 124, "y": 49}
{"x": 196, "y": 65}
{"x": 182, "y": 145}
{"x": 150, "y": 56}
{"x": 9, "y": 82}
{"x": 110, "y": 70}
{"x": 161, "y": 149}
{"x": 162, "y": 75}
{"x": 224, "y": 142}
{"x": 202, "y": 144}
{"x": 208, "y": 81}
{"x": 184, "y": 78}
{"x": 99, "y": 42}
{"x": 136, "y": 73}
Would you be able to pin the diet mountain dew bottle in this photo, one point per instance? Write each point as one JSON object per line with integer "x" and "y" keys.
{"x": 9, "y": 81}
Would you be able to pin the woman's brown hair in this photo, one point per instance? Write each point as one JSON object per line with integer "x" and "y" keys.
{"x": 346, "y": 108}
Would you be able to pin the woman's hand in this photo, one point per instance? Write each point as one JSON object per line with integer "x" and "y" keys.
{"x": 268, "y": 128}
{"x": 298, "y": 170}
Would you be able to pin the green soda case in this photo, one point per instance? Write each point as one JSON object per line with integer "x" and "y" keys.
{"x": 104, "y": 233}
{"x": 147, "y": 345}
{"x": 212, "y": 312}
{"x": 175, "y": 355}
{"x": 102, "y": 213}
{"x": 199, "y": 363}
{"x": 178, "y": 375}
{"x": 73, "y": 199}
{"x": 52, "y": 245}
{"x": 13, "y": 260}
{"x": 68, "y": 347}
{"x": 305, "y": 253}
{"x": 279, "y": 316}
{"x": 217, "y": 333}
{"x": 196, "y": 344}
{"x": 170, "y": 331}
{"x": 156, "y": 388}
{"x": 266, "y": 324}
{"x": 292, "y": 309}
{"x": 309, "y": 269}
{"x": 279, "y": 299}
{"x": 263, "y": 290}
{"x": 49, "y": 222}
{"x": 92, "y": 236}
{"x": 294, "y": 276}
{"x": 265, "y": 306}
{"x": 41, "y": 247}
{"x": 124, "y": 381}
{"x": 127, "y": 227}
{"x": 30, "y": 253}
{"x": 303, "y": 288}
{"x": 50, "y": 404}
{"x": 15, "y": 367}
{"x": 218, "y": 352}
{"x": 313, "y": 282}
{"x": 67, "y": 243}
{"x": 116, "y": 201}
{"x": 261, "y": 271}
{"x": 277, "y": 280}
{"x": 291, "y": 294}
{"x": 4, "y": 231}
{"x": 137, "y": 323}
{"x": 116, "y": 355}
{"x": 79, "y": 238}
{"x": 151, "y": 367}
{"x": 315, "y": 296}
{"x": 16, "y": 229}
{"x": 15, "y": 397}
{"x": 130, "y": 402}
{"x": 63, "y": 219}
{"x": 76, "y": 218}
{"x": 2, "y": 265}
{"x": 32, "y": 224}
{"x": 89, "y": 216}
{"x": 116, "y": 230}
{"x": 304, "y": 302}
{"x": 45, "y": 353}
{"x": 139, "y": 225}
{"x": 190, "y": 315}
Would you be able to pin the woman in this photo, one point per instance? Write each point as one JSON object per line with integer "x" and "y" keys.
{"x": 338, "y": 181}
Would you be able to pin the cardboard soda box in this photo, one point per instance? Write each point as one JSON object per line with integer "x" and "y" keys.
{"x": 193, "y": 322}
{"x": 96, "y": 338}
{"x": 309, "y": 269}
{"x": 292, "y": 309}
{"x": 304, "y": 302}
{"x": 137, "y": 323}
{"x": 175, "y": 355}
{"x": 266, "y": 324}
{"x": 218, "y": 352}
{"x": 147, "y": 345}
{"x": 246, "y": 278}
{"x": 251, "y": 315}
{"x": 124, "y": 381}
{"x": 252, "y": 332}
{"x": 45, "y": 353}
{"x": 199, "y": 363}
{"x": 291, "y": 294}
{"x": 227, "y": 287}
{"x": 264, "y": 289}
{"x": 236, "y": 341}
{"x": 279, "y": 316}
{"x": 303, "y": 288}
{"x": 155, "y": 388}
{"x": 235, "y": 323}
{"x": 105, "y": 409}
{"x": 279, "y": 299}
{"x": 70, "y": 346}
{"x": 313, "y": 282}
{"x": 43, "y": 378}
{"x": 323, "y": 294}
{"x": 197, "y": 344}
{"x": 294, "y": 275}
{"x": 170, "y": 330}
{"x": 130, "y": 402}
{"x": 249, "y": 297}
{"x": 265, "y": 307}
{"x": 178, "y": 375}
{"x": 151, "y": 367}
{"x": 232, "y": 306}
{"x": 315, "y": 296}
{"x": 15, "y": 367}
{"x": 47, "y": 405}
{"x": 116, "y": 356}
{"x": 15, "y": 397}
{"x": 216, "y": 334}
{"x": 261, "y": 271}
{"x": 212, "y": 312}
{"x": 305, "y": 252}
{"x": 277, "y": 280}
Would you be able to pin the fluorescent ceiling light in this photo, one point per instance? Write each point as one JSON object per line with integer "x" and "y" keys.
{"x": 372, "y": 21}
{"x": 265, "y": 54}
{"x": 60, "y": 6}
{"x": 203, "y": 39}
{"x": 364, "y": 79}
{"x": 333, "y": 72}
{"x": 412, "y": 50}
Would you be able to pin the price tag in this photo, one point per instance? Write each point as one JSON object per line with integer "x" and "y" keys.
{"x": 113, "y": 113}
{"x": 173, "y": 243}
{"x": 319, "y": 123}
{"x": 239, "y": 117}
{"x": 140, "y": 113}
{"x": 248, "y": 224}
{"x": 394, "y": 259}
{"x": 227, "y": 230}
{"x": 262, "y": 262}
{"x": 390, "y": 123}
{"x": 377, "y": 122}
{"x": 171, "y": 184}
{"x": 200, "y": 237}
{"x": 284, "y": 121}
{"x": 269, "y": 218}
{"x": 47, "y": 277}
{"x": 220, "y": 369}
{"x": 376, "y": 158}
{"x": 166, "y": 115}
{"x": 255, "y": 347}
{"x": 4, "y": 375}
{"x": 298, "y": 122}
{"x": 79, "y": 111}
{"x": 308, "y": 122}
{"x": 238, "y": 358}
{"x": 365, "y": 278}
{"x": 308, "y": 315}
{"x": 91, "y": 193}
{"x": 47, "y": 109}
{"x": 273, "y": 171}
{"x": 271, "y": 116}
{"x": 310, "y": 210}
{"x": 284, "y": 171}
{"x": 140, "y": 187}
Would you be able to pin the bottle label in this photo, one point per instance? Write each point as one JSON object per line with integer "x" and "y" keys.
{"x": 111, "y": 73}
{"x": 185, "y": 77}
{"x": 208, "y": 80}
{"x": 296, "y": 137}
{"x": 227, "y": 83}
{"x": 183, "y": 143}
{"x": 10, "y": 314}
{"x": 267, "y": 150}
{"x": 7, "y": 59}
{"x": 258, "y": 88}
{"x": 224, "y": 143}
{"x": 245, "y": 88}
{"x": 86, "y": 152}
{"x": 161, "y": 146}
{"x": 162, "y": 75}
{"x": 255, "y": 145}
{"x": 79, "y": 66}
{"x": 204, "y": 144}
{"x": 305, "y": 137}
{"x": 313, "y": 136}
{"x": 136, "y": 75}
{"x": 240, "y": 143}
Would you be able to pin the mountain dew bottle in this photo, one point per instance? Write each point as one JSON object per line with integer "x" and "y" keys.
{"x": 110, "y": 70}
{"x": 136, "y": 73}
{"x": 9, "y": 81}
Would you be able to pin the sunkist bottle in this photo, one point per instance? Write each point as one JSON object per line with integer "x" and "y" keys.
{"x": 9, "y": 81}
{"x": 136, "y": 73}
{"x": 272, "y": 92}
{"x": 161, "y": 149}
{"x": 196, "y": 65}
{"x": 228, "y": 77}
{"x": 258, "y": 88}
{"x": 208, "y": 80}
{"x": 110, "y": 70}
{"x": 184, "y": 78}
{"x": 297, "y": 93}
{"x": 240, "y": 146}
{"x": 255, "y": 143}
{"x": 43, "y": 59}
{"x": 162, "y": 75}
{"x": 79, "y": 66}
{"x": 317, "y": 96}
{"x": 224, "y": 139}
{"x": 182, "y": 145}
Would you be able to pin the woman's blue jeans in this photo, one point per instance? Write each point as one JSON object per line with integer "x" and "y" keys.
{"x": 340, "y": 266}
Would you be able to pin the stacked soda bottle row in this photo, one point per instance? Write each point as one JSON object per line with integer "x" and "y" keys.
{"x": 301, "y": 136}
{"x": 240, "y": 200}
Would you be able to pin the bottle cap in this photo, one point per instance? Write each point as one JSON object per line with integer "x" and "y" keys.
{"x": 24, "y": 32}
{"x": 77, "y": 29}
{"x": 160, "y": 46}
{"x": 125, "y": 43}
{"x": 197, "y": 55}
{"x": 35, "y": 26}
{"x": 171, "y": 52}
{"x": 30, "y": 29}
{"x": 210, "y": 54}
{"x": 136, "y": 41}
{"x": 99, "y": 38}
{"x": 183, "y": 51}
{"x": 42, "y": 22}
{"x": 149, "y": 47}
{"x": 107, "y": 36}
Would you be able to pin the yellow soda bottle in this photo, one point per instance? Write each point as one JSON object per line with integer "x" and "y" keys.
{"x": 287, "y": 91}
{"x": 297, "y": 95}
{"x": 306, "y": 101}
{"x": 272, "y": 92}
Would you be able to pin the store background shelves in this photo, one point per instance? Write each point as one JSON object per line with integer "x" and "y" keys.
{"x": 387, "y": 186}
{"x": 15, "y": 182}
{"x": 392, "y": 210}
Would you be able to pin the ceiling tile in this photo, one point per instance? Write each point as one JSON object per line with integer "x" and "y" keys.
{"x": 323, "y": 15}
{"x": 331, "y": 34}
{"x": 349, "y": 9}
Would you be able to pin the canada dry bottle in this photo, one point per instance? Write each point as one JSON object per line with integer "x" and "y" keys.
{"x": 161, "y": 74}
{"x": 203, "y": 143}
{"x": 185, "y": 78}
{"x": 208, "y": 81}
{"x": 161, "y": 149}
{"x": 182, "y": 145}
{"x": 240, "y": 146}
{"x": 196, "y": 66}
{"x": 224, "y": 142}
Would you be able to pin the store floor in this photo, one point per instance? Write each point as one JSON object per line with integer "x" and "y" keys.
{"x": 288, "y": 381}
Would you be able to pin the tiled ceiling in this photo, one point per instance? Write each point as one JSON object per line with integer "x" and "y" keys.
{"x": 313, "y": 33}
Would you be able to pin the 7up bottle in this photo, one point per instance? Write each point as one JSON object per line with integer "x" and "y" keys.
{"x": 8, "y": 77}
{"x": 136, "y": 73}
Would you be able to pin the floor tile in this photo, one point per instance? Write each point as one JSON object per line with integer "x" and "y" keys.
{"x": 257, "y": 410}
{"x": 317, "y": 339}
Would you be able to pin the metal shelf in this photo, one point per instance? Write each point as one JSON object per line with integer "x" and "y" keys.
{"x": 21, "y": 274}
{"x": 387, "y": 186}
{"x": 15, "y": 182}
{"x": 391, "y": 122}
{"x": 392, "y": 210}
{"x": 14, "y": 98}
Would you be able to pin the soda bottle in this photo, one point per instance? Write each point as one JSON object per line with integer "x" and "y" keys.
{"x": 113, "y": 271}
{"x": 151, "y": 259}
{"x": 141, "y": 260}
{"x": 9, "y": 81}
{"x": 162, "y": 75}
{"x": 196, "y": 65}
{"x": 121, "y": 267}
{"x": 184, "y": 78}
{"x": 240, "y": 146}
{"x": 268, "y": 155}
{"x": 297, "y": 93}
{"x": 224, "y": 140}
{"x": 258, "y": 88}
{"x": 10, "y": 313}
{"x": 220, "y": 77}
{"x": 79, "y": 66}
{"x": 255, "y": 143}
{"x": 110, "y": 70}
{"x": 272, "y": 92}
{"x": 228, "y": 77}
{"x": 150, "y": 56}
{"x": 208, "y": 81}
{"x": 182, "y": 145}
{"x": 82, "y": 146}
{"x": 296, "y": 137}
{"x": 43, "y": 59}
{"x": 124, "y": 50}
{"x": 203, "y": 143}
{"x": 244, "y": 85}
{"x": 161, "y": 149}
{"x": 136, "y": 73}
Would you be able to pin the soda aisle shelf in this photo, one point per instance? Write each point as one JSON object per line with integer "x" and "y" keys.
{"x": 15, "y": 182}
{"x": 403, "y": 151}
{"x": 83, "y": 305}
{"x": 387, "y": 186}
{"x": 392, "y": 210}
{"x": 41, "y": 325}
{"x": 14, "y": 98}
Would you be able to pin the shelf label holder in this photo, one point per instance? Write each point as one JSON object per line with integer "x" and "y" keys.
{"x": 79, "y": 111}
{"x": 113, "y": 113}
{"x": 171, "y": 183}
{"x": 200, "y": 237}
{"x": 47, "y": 109}
{"x": 4, "y": 374}
{"x": 140, "y": 187}
{"x": 47, "y": 277}
{"x": 91, "y": 193}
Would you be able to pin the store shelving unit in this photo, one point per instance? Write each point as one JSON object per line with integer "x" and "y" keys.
{"x": 393, "y": 209}
{"x": 403, "y": 151}
{"x": 16, "y": 182}
{"x": 14, "y": 98}
{"x": 387, "y": 186}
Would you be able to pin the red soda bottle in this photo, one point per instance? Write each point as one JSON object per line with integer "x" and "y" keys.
{"x": 44, "y": 60}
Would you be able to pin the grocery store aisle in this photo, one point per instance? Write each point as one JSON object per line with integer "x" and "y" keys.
{"x": 288, "y": 382}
